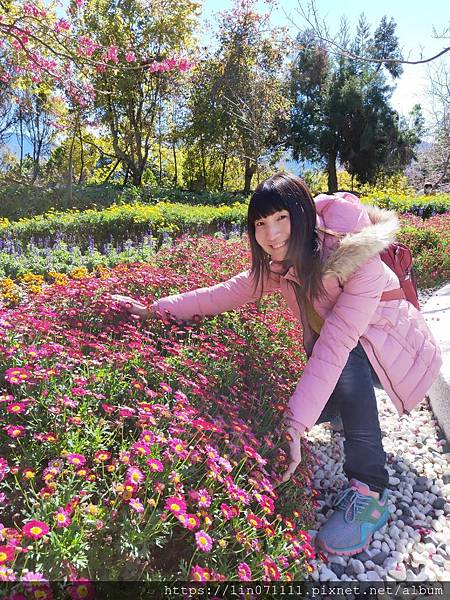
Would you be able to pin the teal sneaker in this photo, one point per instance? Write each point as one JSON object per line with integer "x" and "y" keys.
{"x": 357, "y": 516}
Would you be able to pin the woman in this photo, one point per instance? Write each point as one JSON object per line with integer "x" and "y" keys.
{"x": 323, "y": 256}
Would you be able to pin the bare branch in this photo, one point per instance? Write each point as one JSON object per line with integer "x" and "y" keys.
{"x": 321, "y": 31}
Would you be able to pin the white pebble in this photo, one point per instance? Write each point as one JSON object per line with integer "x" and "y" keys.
{"x": 357, "y": 566}
{"x": 399, "y": 574}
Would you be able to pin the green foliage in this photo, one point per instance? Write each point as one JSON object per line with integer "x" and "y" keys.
{"x": 86, "y": 154}
{"x": 125, "y": 222}
{"x": 21, "y": 201}
{"x": 63, "y": 258}
{"x": 18, "y": 202}
{"x": 421, "y": 206}
{"x": 429, "y": 241}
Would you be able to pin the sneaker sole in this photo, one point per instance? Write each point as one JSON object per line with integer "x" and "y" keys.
{"x": 353, "y": 550}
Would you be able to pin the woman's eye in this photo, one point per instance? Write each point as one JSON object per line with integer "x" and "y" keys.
{"x": 259, "y": 224}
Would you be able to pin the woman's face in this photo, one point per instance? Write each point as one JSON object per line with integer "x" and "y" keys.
{"x": 273, "y": 232}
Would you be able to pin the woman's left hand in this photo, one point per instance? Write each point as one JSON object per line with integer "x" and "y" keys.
{"x": 295, "y": 451}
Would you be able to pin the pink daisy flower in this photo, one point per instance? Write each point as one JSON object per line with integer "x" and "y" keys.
{"x": 204, "y": 498}
{"x": 226, "y": 511}
{"x": 102, "y": 455}
{"x": 189, "y": 521}
{"x": 165, "y": 387}
{"x": 16, "y": 375}
{"x": 178, "y": 447}
{"x": 126, "y": 412}
{"x": 82, "y": 589}
{"x": 176, "y": 505}
{"x": 199, "y": 573}
{"x": 62, "y": 518}
{"x": 76, "y": 459}
{"x": 203, "y": 540}
{"x": 136, "y": 504}
{"x": 141, "y": 448}
{"x": 271, "y": 571}
{"x": 124, "y": 457}
{"x": 155, "y": 465}
{"x": 15, "y": 431}
{"x": 148, "y": 437}
{"x": 6, "y": 554}
{"x": 244, "y": 572}
{"x": 254, "y": 521}
{"x": 135, "y": 475}
{"x": 16, "y": 408}
{"x": 35, "y": 529}
{"x": 211, "y": 452}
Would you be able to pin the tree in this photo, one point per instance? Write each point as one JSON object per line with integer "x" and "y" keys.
{"x": 239, "y": 104}
{"x": 341, "y": 106}
{"x": 433, "y": 159}
{"x": 35, "y": 113}
{"x": 128, "y": 106}
{"x": 125, "y": 55}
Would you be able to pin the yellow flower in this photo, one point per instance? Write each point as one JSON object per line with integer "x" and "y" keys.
{"x": 79, "y": 273}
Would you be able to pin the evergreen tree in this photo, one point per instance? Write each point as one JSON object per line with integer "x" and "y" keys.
{"x": 341, "y": 108}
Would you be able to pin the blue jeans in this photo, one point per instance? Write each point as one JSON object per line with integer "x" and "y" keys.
{"x": 354, "y": 400}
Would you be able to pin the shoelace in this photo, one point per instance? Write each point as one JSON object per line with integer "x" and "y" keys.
{"x": 352, "y": 502}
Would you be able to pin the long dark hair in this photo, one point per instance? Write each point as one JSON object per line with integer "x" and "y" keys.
{"x": 284, "y": 191}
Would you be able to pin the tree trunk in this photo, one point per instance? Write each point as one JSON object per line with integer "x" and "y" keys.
{"x": 111, "y": 172}
{"x": 80, "y": 178}
{"x": 137, "y": 177}
{"x": 70, "y": 172}
{"x": 202, "y": 155}
{"x": 160, "y": 161}
{"x": 222, "y": 175}
{"x": 332, "y": 174}
{"x": 21, "y": 140}
{"x": 175, "y": 175}
{"x": 250, "y": 170}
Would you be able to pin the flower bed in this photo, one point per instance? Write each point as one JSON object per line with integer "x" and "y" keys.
{"x": 421, "y": 206}
{"x": 27, "y": 268}
{"x": 429, "y": 242}
{"x": 149, "y": 451}
{"x": 119, "y": 223}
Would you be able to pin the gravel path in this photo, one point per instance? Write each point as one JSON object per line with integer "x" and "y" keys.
{"x": 415, "y": 543}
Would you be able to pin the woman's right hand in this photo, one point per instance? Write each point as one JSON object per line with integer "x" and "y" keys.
{"x": 134, "y": 307}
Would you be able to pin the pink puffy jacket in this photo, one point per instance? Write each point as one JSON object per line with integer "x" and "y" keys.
{"x": 394, "y": 335}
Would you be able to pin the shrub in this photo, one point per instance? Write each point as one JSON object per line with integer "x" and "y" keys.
{"x": 120, "y": 223}
{"x": 429, "y": 242}
{"x": 22, "y": 201}
{"x": 422, "y": 206}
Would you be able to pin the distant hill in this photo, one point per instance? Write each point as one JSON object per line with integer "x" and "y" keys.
{"x": 287, "y": 163}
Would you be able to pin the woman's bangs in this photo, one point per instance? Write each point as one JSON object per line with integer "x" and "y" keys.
{"x": 264, "y": 204}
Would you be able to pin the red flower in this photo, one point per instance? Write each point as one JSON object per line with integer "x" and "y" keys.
{"x": 81, "y": 589}
{"x": 6, "y": 554}
{"x": 35, "y": 529}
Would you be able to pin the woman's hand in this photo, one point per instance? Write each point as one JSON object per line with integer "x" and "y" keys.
{"x": 134, "y": 307}
{"x": 295, "y": 450}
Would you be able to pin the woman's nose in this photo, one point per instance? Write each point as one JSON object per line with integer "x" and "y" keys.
{"x": 273, "y": 232}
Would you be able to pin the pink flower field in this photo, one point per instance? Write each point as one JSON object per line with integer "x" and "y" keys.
{"x": 133, "y": 450}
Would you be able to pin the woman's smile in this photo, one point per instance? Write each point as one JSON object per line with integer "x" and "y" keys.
{"x": 273, "y": 233}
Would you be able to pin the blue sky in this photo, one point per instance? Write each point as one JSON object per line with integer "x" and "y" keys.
{"x": 415, "y": 20}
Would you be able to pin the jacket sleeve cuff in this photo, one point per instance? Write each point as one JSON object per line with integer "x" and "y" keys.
{"x": 300, "y": 427}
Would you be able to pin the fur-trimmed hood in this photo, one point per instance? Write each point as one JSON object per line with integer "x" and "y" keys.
{"x": 355, "y": 249}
